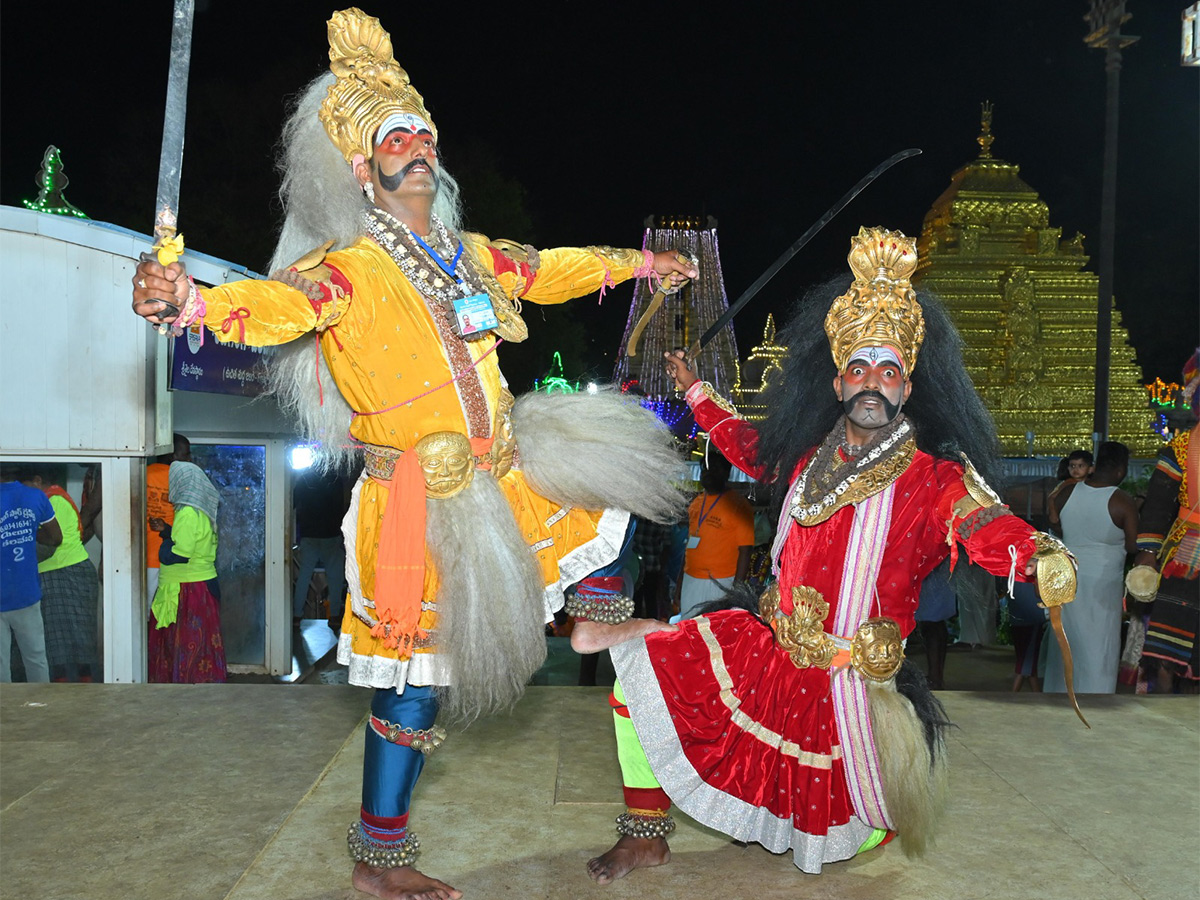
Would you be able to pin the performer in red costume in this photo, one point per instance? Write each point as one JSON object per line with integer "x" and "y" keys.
{"x": 801, "y": 729}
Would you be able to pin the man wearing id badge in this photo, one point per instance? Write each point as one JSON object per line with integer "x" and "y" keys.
{"x": 720, "y": 538}
{"x": 458, "y": 547}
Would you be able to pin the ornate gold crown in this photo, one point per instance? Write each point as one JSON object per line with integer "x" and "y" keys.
{"x": 881, "y": 307}
{"x": 370, "y": 84}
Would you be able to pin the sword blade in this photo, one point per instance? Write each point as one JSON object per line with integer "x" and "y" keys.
{"x": 816, "y": 226}
{"x": 1068, "y": 663}
{"x": 170, "y": 160}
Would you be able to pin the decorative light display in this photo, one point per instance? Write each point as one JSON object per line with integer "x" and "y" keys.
{"x": 671, "y": 413}
{"x": 1164, "y": 394}
{"x": 51, "y": 182}
{"x": 1161, "y": 426}
{"x": 684, "y": 316}
{"x": 552, "y": 383}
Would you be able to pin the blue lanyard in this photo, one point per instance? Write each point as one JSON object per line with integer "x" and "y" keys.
{"x": 442, "y": 264}
{"x": 704, "y": 513}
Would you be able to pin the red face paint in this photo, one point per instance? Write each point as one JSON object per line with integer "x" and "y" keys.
{"x": 883, "y": 376}
{"x": 872, "y": 392}
{"x": 398, "y": 141}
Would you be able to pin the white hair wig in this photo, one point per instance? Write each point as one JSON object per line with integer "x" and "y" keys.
{"x": 599, "y": 451}
{"x": 322, "y": 201}
{"x": 491, "y": 612}
{"x": 915, "y": 775}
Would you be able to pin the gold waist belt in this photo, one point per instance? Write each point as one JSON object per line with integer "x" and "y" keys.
{"x": 876, "y": 651}
{"x": 380, "y": 462}
{"x": 447, "y": 459}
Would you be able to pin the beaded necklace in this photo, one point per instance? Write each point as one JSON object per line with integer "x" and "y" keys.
{"x": 827, "y": 477}
{"x": 424, "y": 264}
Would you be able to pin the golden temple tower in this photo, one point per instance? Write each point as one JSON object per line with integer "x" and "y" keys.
{"x": 1026, "y": 309}
{"x": 764, "y": 362}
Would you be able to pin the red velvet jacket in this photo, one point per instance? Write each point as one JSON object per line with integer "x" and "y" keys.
{"x": 918, "y": 538}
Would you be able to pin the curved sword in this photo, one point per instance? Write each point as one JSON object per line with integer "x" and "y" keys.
{"x": 1068, "y": 664}
{"x": 1056, "y": 582}
{"x": 816, "y": 226}
{"x": 661, "y": 293}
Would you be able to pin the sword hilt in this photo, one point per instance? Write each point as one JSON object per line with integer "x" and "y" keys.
{"x": 665, "y": 289}
{"x": 167, "y": 248}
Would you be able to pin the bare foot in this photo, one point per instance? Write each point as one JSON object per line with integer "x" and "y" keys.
{"x": 403, "y": 883}
{"x": 627, "y": 854}
{"x": 592, "y": 637}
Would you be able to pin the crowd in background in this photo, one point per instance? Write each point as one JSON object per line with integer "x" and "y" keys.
{"x": 50, "y": 618}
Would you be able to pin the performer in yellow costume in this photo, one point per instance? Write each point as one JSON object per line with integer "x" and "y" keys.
{"x": 474, "y": 512}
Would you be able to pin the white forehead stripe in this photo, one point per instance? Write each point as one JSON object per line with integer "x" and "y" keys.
{"x": 877, "y": 355}
{"x": 402, "y": 121}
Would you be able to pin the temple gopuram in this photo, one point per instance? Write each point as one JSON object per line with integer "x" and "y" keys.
{"x": 1026, "y": 309}
{"x": 764, "y": 362}
{"x": 679, "y": 322}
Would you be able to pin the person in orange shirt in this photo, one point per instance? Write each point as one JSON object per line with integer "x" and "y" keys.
{"x": 720, "y": 538}
{"x": 159, "y": 507}
{"x": 457, "y": 549}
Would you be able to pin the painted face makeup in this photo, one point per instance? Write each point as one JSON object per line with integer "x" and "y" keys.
{"x": 399, "y": 141}
{"x": 873, "y": 387}
{"x": 404, "y": 145}
{"x": 398, "y": 132}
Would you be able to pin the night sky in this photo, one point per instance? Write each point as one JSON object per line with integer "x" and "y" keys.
{"x": 569, "y": 123}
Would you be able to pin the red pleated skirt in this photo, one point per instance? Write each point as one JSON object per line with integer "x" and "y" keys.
{"x": 740, "y": 738}
{"x": 190, "y": 650}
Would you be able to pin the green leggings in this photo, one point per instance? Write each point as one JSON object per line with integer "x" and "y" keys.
{"x": 642, "y": 790}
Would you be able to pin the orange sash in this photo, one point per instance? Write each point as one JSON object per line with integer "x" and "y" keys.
{"x": 400, "y": 563}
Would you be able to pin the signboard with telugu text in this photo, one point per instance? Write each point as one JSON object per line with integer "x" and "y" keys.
{"x": 199, "y": 362}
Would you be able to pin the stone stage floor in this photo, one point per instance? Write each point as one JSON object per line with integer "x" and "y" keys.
{"x": 244, "y": 792}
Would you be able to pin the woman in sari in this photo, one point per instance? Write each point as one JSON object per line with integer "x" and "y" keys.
{"x": 185, "y": 625}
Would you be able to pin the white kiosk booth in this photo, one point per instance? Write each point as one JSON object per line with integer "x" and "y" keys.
{"x": 86, "y": 382}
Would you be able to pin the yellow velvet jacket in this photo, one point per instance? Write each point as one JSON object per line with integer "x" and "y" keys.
{"x": 395, "y": 367}
{"x": 380, "y": 340}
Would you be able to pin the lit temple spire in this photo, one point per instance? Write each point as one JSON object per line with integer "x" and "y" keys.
{"x": 985, "y": 130}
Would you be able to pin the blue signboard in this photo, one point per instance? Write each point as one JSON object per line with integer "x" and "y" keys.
{"x": 216, "y": 367}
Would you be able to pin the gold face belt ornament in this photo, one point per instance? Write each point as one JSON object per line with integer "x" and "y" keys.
{"x": 447, "y": 463}
{"x": 876, "y": 651}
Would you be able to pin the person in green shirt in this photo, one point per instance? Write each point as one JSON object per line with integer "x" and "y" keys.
{"x": 185, "y": 645}
{"x": 70, "y": 588}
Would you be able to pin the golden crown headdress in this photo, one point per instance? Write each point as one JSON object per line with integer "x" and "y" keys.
{"x": 370, "y": 84}
{"x": 881, "y": 307}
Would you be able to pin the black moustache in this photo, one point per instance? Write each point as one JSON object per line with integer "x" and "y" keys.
{"x": 391, "y": 182}
{"x": 892, "y": 409}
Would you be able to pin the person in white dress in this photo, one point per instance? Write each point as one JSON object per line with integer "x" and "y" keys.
{"x": 1099, "y": 523}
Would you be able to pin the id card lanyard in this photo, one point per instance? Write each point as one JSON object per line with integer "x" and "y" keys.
{"x": 474, "y": 315}
{"x": 450, "y": 268}
{"x": 705, "y": 513}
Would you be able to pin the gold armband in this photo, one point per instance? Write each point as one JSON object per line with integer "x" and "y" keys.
{"x": 1055, "y": 570}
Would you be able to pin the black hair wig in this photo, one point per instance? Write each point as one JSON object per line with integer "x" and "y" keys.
{"x": 947, "y": 414}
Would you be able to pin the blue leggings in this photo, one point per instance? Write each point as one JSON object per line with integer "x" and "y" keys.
{"x": 390, "y": 771}
{"x": 621, "y": 563}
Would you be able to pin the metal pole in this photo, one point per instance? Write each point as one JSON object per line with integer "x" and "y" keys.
{"x": 1108, "y": 236}
{"x": 1105, "y": 19}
